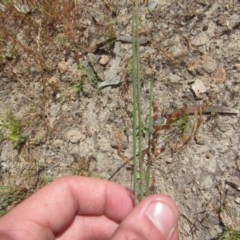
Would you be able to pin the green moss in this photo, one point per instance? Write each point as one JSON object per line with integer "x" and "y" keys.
{"x": 230, "y": 234}
{"x": 13, "y": 130}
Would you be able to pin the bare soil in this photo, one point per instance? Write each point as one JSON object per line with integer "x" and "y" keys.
{"x": 66, "y": 99}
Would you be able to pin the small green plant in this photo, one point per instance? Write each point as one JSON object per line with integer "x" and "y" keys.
{"x": 230, "y": 234}
{"x": 10, "y": 196}
{"x": 141, "y": 166}
{"x": 141, "y": 169}
{"x": 111, "y": 31}
{"x": 7, "y": 1}
{"x": 183, "y": 123}
{"x": 13, "y": 130}
{"x": 79, "y": 85}
{"x": 129, "y": 67}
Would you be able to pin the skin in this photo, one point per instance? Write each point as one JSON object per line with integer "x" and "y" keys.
{"x": 82, "y": 208}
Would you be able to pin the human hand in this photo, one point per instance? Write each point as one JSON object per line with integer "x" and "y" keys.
{"x": 85, "y": 208}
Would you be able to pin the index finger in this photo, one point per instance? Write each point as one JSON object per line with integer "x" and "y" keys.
{"x": 55, "y": 206}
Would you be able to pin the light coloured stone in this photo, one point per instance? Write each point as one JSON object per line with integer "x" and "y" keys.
{"x": 220, "y": 76}
{"x": 173, "y": 78}
{"x": 74, "y": 136}
{"x": 237, "y": 200}
{"x": 53, "y": 80}
{"x": 104, "y": 59}
{"x": 198, "y": 88}
{"x": 152, "y": 5}
{"x": 202, "y": 64}
{"x": 200, "y": 39}
{"x": 63, "y": 66}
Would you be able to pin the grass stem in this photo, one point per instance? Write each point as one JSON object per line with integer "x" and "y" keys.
{"x": 135, "y": 108}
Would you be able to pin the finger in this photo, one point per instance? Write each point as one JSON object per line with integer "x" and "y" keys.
{"x": 88, "y": 228}
{"x": 154, "y": 218}
{"x": 52, "y": 209}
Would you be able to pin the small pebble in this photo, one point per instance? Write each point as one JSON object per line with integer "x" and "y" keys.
{"x": 62, "y": 66}
{"x": 74, "y": 136}
{"x": 237, "y": 200}
{"x": 104, "y": 59}
{"x": 198, "y": 88}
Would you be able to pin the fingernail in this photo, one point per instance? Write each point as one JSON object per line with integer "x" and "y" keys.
{"x": 163, "y": 217}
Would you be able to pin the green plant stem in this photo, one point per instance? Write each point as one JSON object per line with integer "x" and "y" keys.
{"x": 150, "y": 131}
{"x": 139, "y": 171}
{"x": 134, "y": 76}
{"x": 139, "y": 109}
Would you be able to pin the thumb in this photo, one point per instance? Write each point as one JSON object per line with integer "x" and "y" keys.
{"x": 156, "y": 218}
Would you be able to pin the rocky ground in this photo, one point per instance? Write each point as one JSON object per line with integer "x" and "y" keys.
{"x": 66, "y": 100}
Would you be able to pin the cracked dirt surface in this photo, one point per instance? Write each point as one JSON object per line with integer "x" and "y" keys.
{"x": 66, "y": 76}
